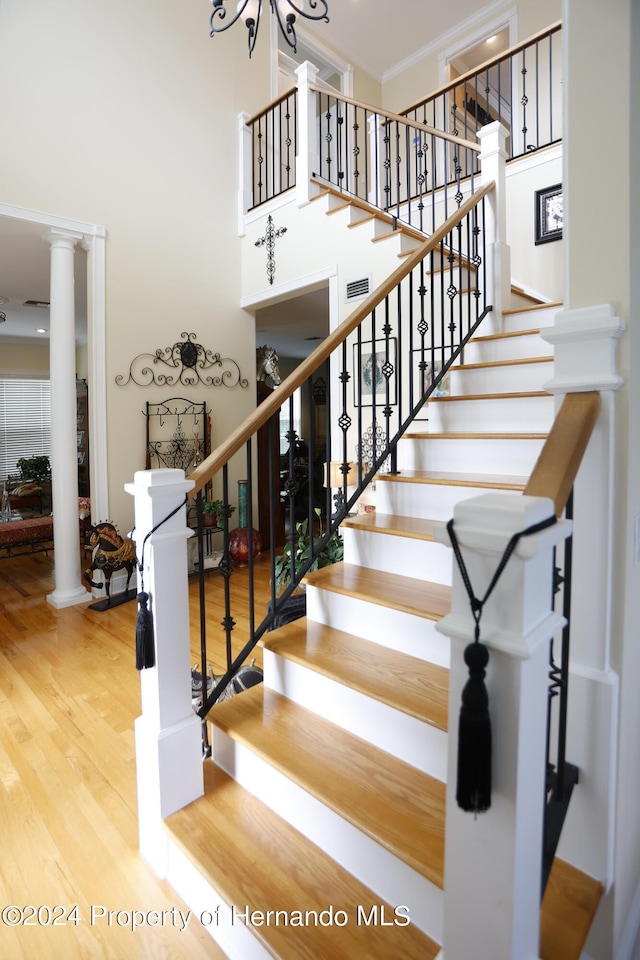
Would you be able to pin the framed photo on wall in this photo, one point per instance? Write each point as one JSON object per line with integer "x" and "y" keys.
{"x": 549, "y": 215}
{"x": 373, "y": 382}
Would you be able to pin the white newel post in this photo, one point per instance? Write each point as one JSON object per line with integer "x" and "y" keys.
{"x": 493, "y": 860}
{"x": 168, "y": 733}
{"x": 308, "y": 156}
{"x": 493, "y": 158}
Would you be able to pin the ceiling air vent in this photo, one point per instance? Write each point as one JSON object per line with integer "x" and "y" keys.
{"x": 42, "y": 304}
{"x": 358, "y": 288}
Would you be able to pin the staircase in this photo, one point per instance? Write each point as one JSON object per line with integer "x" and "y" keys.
{"x": 321, "y": 832}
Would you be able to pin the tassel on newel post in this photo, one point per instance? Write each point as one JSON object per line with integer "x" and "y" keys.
{"x": 473, "y": 790}
{"x": 145, "y": 641}
{"x": 145, "y": 646}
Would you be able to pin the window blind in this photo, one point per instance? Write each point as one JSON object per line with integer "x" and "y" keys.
{"x": 25, "y": 421}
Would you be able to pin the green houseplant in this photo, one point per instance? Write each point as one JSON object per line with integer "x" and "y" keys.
{"x": 301, "y": 550}
{"x": 35, "y": 469}
{"x": 211, "y": 510}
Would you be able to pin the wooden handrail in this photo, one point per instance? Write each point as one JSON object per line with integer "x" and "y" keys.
{"x": 555, "y": 471}
{"x": 274, "y": 103}
{"x": 223, "y": 453}
{"x": 388, "y": 115}
{"x": 516, "y": 48}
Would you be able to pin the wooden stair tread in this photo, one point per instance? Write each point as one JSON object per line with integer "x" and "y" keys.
{"x": 415, "y": 687}
{"x": 522, "y": 361}
{"x": 530, "y": 307}
{"x": 393, "y": 524}
{"x": 491, "y": 396}
{"x": 432, "y": 601}
{"x": 253, "y": 857}
{"x": 476, "y": 436}
{"x": 494, "y": 481}
{"x": 533, "y": 331}
{"x": 568, "y": 908}
{"x": 392, "y": 802}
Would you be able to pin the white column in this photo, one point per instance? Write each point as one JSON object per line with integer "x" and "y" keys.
{"x": 168, "y": 733}
{"x": 493, "y": 860}
{"x": 493, "y": 160}
{"x": 64, "y": 462}
{"x": 308, "y": 157}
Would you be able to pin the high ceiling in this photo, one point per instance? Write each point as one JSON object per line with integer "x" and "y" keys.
{"x": 374, "y": 41}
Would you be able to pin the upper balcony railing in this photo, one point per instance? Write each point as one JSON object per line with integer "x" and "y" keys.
{"x": 520, "y": 87}
{"x": 400, "y": 163}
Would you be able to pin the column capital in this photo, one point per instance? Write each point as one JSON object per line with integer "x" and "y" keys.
{"x": 63, "y": 238}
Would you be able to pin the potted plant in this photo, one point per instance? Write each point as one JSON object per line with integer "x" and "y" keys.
{"x": 301, "y": 550}
{"x": 35, "y": 469}
{"x": 211, "y": 510}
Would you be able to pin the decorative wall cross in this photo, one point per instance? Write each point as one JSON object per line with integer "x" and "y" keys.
{"x": 269, "y": 240}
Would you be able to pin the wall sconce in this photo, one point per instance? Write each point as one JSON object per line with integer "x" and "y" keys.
{"x": 340, "y": 475}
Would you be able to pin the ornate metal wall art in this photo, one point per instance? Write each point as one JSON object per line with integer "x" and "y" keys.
{"x": 186, "y": 362}
{"x": 269, "y": 241}
{"x": 178, "y": 434}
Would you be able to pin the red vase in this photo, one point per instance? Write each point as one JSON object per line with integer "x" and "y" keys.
{"x": 239, "y": 544}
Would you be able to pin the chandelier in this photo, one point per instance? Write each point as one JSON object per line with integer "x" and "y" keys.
{"x": 284, "y": 10}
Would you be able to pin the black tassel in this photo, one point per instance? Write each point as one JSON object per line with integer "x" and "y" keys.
{"x": 473, "y": 793}
{"x": 145, "y": 647}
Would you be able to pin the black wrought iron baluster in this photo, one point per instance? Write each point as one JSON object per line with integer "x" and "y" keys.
{"x": 367, "y": 158}
{"x": 273, "y": 151}
{"x": 388, "y": 370}
{"x": 226, "y": 566}
{"x": 512, "y": 108}
{"x": 291, "y": 488}
{"x": 442, "y": 301}
{"x": 344, "y": 423}
{"x": 408, "y": 179}
{"x": 564, "y": 662}
{"x": 387, "y": 163}
{"x": 320, "y": 114}
{"x": 452, "y": 290}
{"x": 484, "y": 255}
{"x": 423, "y": 327}
{"x": 356, "y": 153}
{"x": 272, "y": 439}
{"x": 524, "y": 100}
{"x": 287, "y": 142}
{"x": 340, "y": 146}
{"x": 260, "y": 169}
{"x": 358, "y": 401}
{"x": 328, "y": 137}
{"x": 201, "y": 590}
{"x": 551, "y": 137}
{"x": 537, "y": 143}
{"x": 400, "y": 361}
{"x": 310, "y": 437}
{"x": 250, "y": 542}
{"x": 398, "y": 165}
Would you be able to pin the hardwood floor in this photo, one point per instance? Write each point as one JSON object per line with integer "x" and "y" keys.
{"x": 69, "y": 694}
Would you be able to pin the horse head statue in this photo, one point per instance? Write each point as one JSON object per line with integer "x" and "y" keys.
{"x": 267, "y": 365}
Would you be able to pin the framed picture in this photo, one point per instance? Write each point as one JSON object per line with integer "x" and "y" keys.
{"x": 373, "y": 382}
{"x": 549, "y": 214}
{"x": 424, "y": 376}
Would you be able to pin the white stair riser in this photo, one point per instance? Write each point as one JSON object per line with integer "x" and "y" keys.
{"x": 391, "y": 628}
{"x": 426, "y": 559}
{"x": 430, "y": 501}
{"x": 526, "y": 320}
{"x": 235, "y": 939}
{"x": 506, "y": 348}
{"x": 397, "y": 733}
{"x": 510, "y": 378}
{"x": 513, "y": 414}
{"x": 513, "y": 457}
{"x": 390, "y": 878}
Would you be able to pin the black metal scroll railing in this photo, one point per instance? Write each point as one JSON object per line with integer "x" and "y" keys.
{"x": 521, "y": 88}
{"x": 562, "y": 776}
{"x": 274, "y": 144}
{"x": 342, "y": 413}
{"x": 392, "y": 163}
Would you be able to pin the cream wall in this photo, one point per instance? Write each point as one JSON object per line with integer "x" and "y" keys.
{"x": 599, "y": 271}
{"x": 22, "y": 359}
{"x": 419, "y": 79}
{"x": 100, "y": 126}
